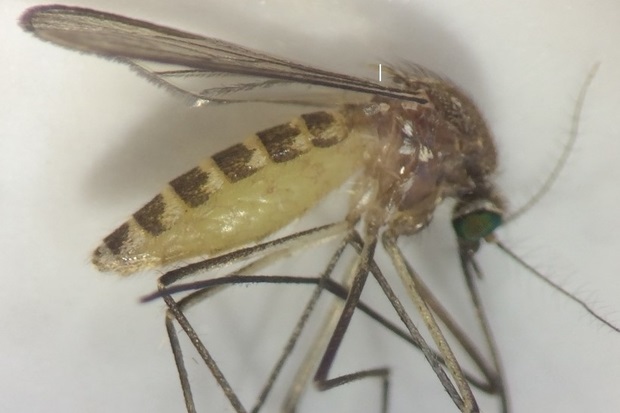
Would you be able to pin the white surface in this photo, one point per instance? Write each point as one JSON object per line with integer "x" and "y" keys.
{"x": 85, "y": 142}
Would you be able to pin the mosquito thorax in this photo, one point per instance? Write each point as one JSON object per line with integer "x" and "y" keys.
{"x": 430, "y": 149}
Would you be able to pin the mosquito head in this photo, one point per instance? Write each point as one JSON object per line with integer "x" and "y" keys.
{"x": 476, "y": 217}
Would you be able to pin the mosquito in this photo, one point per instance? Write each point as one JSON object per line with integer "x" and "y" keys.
{"x": 409, "y": 142}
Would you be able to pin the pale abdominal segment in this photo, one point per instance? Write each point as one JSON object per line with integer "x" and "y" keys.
{"x": 239, "y": 195}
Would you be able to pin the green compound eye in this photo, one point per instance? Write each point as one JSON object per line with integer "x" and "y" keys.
{"x": 476, "y": 225}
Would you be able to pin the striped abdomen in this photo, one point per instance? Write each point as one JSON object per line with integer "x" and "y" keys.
{"x": 239, "y": 195}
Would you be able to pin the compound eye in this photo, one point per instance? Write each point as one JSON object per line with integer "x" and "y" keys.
{"x": 476, "y": 225}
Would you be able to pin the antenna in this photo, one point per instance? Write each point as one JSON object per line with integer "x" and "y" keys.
{"x": 568, "y": 148}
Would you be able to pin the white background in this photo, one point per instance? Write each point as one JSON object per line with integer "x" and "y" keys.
{"x": 85, "y": 142}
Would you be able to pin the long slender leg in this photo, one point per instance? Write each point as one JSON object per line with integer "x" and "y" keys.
{"x": 308, "y": 365}
{"x": 271, "y": 251}
{"x": 297, "y": 330}
{"x": 298, "y": 240}
{"x": 490, "y": 384}
{"x": 204, "y": 354}
{"x": 467, "y": 263}
{"x": 215, "y": 285}
{"x": 361, "y": 270}
{"x": 494, "y": 379}
{"x": 320, "y": 343}
{"x": 465, "y": 400}
{"x": 288, "y": 349}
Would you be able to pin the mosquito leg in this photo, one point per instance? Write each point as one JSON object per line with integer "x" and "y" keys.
{"x": 313, "y": 355}
{"x": 308, "y": 365}
{"x": 362, "y": 267}
{"x": 467, "y": 264}
{"x": 288, "y": 243}
{"x": 270, "y": 251}
{"x": 178, "y": 361}
{"x": 338, "y": 290}
{"x": 292, "y": 341}
{"x": 444, "y": 315}
{"x": 466, "y": 402}
{"x": 360, "y": 270}
{"x": 204, "y": 354}
{"x": 331, "y": 286}
{"x": 493, "y": 374}
{"x": 359, "y": 274}
{"x": 210, "y": 287}
{"x": 322, "y": 282}
{"x": 491, "y": 383}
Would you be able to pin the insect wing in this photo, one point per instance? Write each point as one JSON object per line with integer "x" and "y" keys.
{"x": 198, "y": 87}
{"x": 122, "y": 38}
